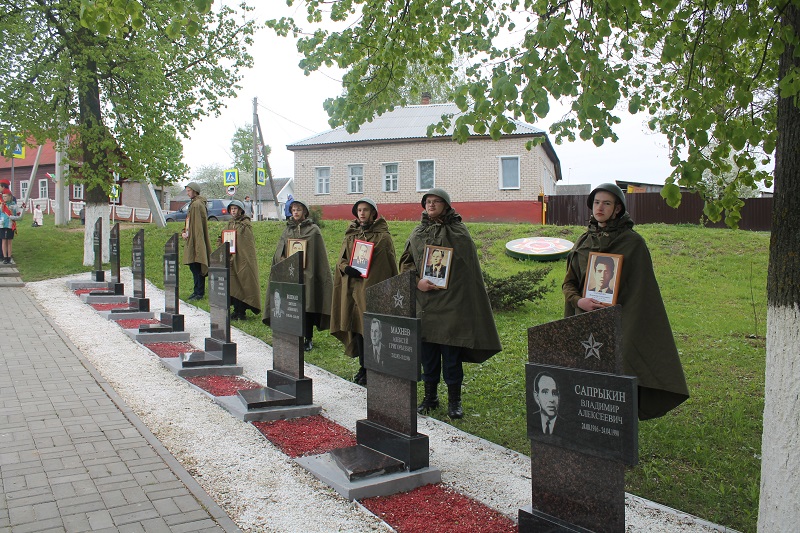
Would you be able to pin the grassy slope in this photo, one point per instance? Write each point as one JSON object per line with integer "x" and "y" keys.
{"x": 703, "y": 458}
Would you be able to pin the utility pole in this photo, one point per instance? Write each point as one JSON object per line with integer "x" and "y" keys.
{"x": 267, "y": 169}
{"x": 256, "y": 204}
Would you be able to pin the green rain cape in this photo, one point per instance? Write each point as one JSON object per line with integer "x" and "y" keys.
{"x": 350, "y": 294}
{"x": 460, "y": 315}
{"x": 198, "y": 245}
{"x": 648, "y": 347}
{"x": 244, "y": 283}
{"x": 317, "y": 275}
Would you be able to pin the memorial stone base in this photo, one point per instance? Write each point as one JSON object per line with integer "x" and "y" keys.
{"x": 361, "y": 475}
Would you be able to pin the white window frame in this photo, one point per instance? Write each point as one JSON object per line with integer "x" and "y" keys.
{"x": 24, "y": 185}
{"x": 500, "y": 183}
{"x": 419, "y": 174}
{"x": 391, "y": 178}
{"x": 77, "y": 191}
{"x": 322, "y": 184}
{"x": 43, "y": 186}
{"x": 355, "y": 181}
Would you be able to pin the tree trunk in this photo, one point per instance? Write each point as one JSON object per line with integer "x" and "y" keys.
{"x": 96, "y": 207}
{"x": 779, "y": 506}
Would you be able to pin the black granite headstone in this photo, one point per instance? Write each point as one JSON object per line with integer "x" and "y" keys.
{"x": 98, "y": 274}
{"x": 582, "y": 490}
{"x": 115, "y": 285}
{"x": 170, "y": 320}
{"x": 139, "y": 301}
{"x": 286, "y": 382}
{"x": 113, "y": 254}
{"x": 219, "y": 350}
{"x": 393, "y": 371}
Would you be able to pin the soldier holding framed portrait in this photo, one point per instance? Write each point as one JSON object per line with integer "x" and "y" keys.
{"x": 302, "y": 235}
{"x": 457, "y": 320}
{"x": 367, "y": 257}
{"x": 648, "y": 348}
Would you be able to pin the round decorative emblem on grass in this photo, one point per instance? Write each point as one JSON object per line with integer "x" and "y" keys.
{"x": 539, "y": 248}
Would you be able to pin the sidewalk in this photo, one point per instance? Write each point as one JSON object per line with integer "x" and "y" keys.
{"x": 73, "y": 456}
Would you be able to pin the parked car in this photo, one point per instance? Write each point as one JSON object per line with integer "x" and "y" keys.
{"x": 217, "y": 210}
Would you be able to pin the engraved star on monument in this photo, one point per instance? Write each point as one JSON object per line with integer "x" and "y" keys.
{"x": 398, "y": 299}
{"x": 592, "y": 347}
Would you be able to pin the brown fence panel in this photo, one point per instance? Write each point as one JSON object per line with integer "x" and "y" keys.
{"x": 651, "y": 208}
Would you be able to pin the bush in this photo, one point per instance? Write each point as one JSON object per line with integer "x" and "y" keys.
{"x": 509, "y": 293}
{"x": 315, "y": 214}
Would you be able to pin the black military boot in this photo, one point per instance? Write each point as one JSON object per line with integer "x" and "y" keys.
{"x": 454, "y": 409}
{"x": 431, "y": 399}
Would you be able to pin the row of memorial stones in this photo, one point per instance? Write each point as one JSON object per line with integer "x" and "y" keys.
{"x": 577, "y": 464}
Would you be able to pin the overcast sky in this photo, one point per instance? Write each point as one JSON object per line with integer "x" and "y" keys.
{"x": 290, "y": 109}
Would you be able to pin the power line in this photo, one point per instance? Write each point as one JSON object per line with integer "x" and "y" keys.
{"x": 286, "y": 119}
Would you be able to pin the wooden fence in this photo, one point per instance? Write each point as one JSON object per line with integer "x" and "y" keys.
{"x": 651, "y": 208}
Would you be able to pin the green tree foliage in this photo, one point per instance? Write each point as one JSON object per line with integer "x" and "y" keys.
{"x": 122, "y": 83}
{"x": 705, "y": 71}
{"x": 242, "y": 152}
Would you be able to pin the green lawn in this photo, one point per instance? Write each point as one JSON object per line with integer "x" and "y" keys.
{"x": 703, "y": 458}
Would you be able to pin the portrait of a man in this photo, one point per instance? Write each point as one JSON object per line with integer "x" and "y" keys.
{"x": 376, "y": 336}
{"x": 603, "y": 275}
{"x": 437, "y": 262}
{"x": 297, "y": 245}
{"x": 276, "y": 305}
{"x": 361, "y": 256}
{"x": 546, "y": 396}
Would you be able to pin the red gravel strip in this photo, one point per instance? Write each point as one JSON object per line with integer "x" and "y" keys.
{"x": 109, "y": 307}
{"x": 437, "y": 509}
{"x": 134, "y": 323}
{"x": 310, "y": 435}
{"x": 171, "y": 349}
{"x": 223, "y": 385}
{"x": 78, "y": 292}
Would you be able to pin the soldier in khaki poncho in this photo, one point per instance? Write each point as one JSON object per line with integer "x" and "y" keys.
{"x": 197, "y": 250}
{"x": 457, "y": 321}
{"x": 648, "y": 347}
{"x": 350, "y": 284}
{"x": 245, "y": 290}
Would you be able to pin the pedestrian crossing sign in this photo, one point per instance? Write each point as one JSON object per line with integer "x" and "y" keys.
{"x": 262, "y": 177}
{"x": 232, "y": 177}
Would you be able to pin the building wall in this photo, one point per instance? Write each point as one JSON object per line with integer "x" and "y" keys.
{"x": 469, "y": 172}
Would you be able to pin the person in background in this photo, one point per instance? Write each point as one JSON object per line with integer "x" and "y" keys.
{"x": 648, "y": 347}
{"x": 349, "y": 285}
{"x": 245, "y": 291}
{"x": 457, "y": 322}
{"x": 196, "y": 252}
{"x": 317, "y": 274}
{"x": 287, "y": 209}
{"x": 4, "y": 184}
{"x": 38, "y": 216}
{"x": 8, "y": 224}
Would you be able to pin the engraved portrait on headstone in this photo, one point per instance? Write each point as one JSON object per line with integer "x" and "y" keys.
{"x": 277, "y": 311}
{"x": 546, "y": 396}
{"x": 377, "y": 346}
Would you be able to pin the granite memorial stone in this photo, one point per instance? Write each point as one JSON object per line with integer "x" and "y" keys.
{"x": 98, "y": 274}
{"x": 219, "y": 350}
{"x": 287, "y": 384}
{"x": 582, "y": 422}
{"x": 391, "y": 356}
{"x": 170, "y": 320}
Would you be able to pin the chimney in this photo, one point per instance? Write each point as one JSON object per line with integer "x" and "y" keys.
{"x": 426, "y": 98}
